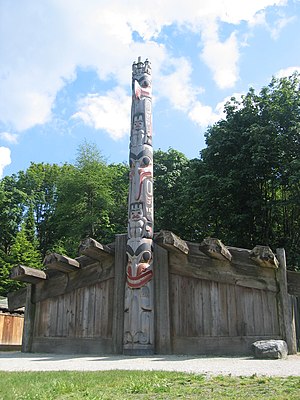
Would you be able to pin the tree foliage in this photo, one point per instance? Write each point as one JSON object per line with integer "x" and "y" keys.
{"x": 244, "y": 188}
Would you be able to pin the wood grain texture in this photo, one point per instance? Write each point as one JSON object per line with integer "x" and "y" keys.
{"x": 66, "y": 283}
{"x": 162, "y": 305}
{"x": 84, "y": 313}
{"x": 119, "y": 294}
{"x": 11, "y": 329}
{"x": 172, "y": 242}
{"x": 287, "y": 318}
{"x": 25, "y": 274}
{"x": 29, "y": 320}
{"x": 207, "y": 308}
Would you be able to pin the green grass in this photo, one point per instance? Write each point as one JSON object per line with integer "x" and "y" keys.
{"x": 110, "y": 385}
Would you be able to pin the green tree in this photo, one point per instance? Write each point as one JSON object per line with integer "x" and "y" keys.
{"x": 249, "y": 183}
{"x": 170, "y": 202}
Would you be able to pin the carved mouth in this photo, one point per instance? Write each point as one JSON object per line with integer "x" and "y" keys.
{"x": 137, "y": 282}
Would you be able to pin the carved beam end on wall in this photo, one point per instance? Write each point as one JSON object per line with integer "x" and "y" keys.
{"x": 214, "y": 248}
{"x": 95, "y": 250}
{"x": 26, "y": 274}
{"x": 264, "y": 257}
{"x": 172, "y": 242}
{"x": 60, "y": 263}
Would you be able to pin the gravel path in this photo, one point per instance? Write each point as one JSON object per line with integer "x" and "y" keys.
{"x": 238, "y": 366}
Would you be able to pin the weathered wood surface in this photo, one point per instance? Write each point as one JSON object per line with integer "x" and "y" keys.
{"x": 162, "y": 299}
{"x": 216, "y": 345}
{"x": 25, "y": 274}
{"x": 214, "y": 248}
{"x": 83, "y": 313}
{"x": 264, "y": 257}
{"x": 66, "y": 283}
{"x": 95, "y": 250}
{"x": 170, "y": 241}
{"x": 17, "y": 299}
{"x": 206, "y": 308}
{"x": 11, "y": 329}
{"x": 61, "y": 263}
{"x": 285, "y": 306}
{"x": 240, "y": 271}
{"x": 65, "y": 345}
{"x": 293, "y": 282}
{"x": 119, "y": 294}
{"x": 29, "y": 320}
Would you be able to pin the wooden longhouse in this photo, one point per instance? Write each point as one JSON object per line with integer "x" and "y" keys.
{"x": 209, "y": 298}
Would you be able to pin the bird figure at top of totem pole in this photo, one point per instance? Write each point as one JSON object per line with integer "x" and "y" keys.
{"x": 138, "y": 325}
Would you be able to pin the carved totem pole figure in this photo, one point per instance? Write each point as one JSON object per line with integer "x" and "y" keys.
{"x": 139, "y": 310}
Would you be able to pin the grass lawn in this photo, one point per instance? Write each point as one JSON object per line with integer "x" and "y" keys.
{"x": 142, "y": 385}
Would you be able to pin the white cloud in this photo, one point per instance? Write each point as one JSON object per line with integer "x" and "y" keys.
{"x": 221, "y": 57}
{"x": 5, "y": 159}
{"x": 48, "y": 40}
{"x": 203, "y": 115}
{"x": 282, "y": 73}
{"x": 177, "y": 85}
{"x": 110, "y": 112}
{"x": 9, "y": 137}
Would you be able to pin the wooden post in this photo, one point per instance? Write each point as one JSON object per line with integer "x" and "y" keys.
{"x": 119, "y": 291}
{"x": 162, "y": 301}
{"x": 29, "y": 317}
{"x": 287, "y": 322}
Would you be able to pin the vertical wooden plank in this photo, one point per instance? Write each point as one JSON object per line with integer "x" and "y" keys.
{"x": 29, "y": 317}
{"x": 198, "y": 308}
{"x": 72, "y": 313}
{"x": 53, "y": 308}
{"x": 109, "y": 302}
{"x": 223, "y": 309}
{"x": 98, "y": 316}
{"x": 91, "y": 311}
{"x": 60, "y": 316}
{"x": 173, "y": 287}
{"x": 287, "y": 319}
{"x": 207, "y": 308}
{"x": 215, "y": 311}
{"x": 119, "y": 293}
{"x": 161, "y": 301}
{"x": 232, "y": 312}
{"x": 248, "y": 311}
{"x": 258, "y": 320}
{"x": 240, "y": 319}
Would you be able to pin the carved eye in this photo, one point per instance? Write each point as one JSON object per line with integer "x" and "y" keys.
{"x": 146, "y": 256}
{"x": 146, "y": 161}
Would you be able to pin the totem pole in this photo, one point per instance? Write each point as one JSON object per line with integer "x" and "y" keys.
{"x": 139, "y": 310}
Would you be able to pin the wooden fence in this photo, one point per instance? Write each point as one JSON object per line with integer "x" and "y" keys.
{"x": 11, "y": 329}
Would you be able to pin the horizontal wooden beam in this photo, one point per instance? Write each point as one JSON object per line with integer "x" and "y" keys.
{"x": 95, "y": 250}
{"x": 17, "y": 299}
{"x": 27, "y": 274}
{"x": 61, "y": 263}
{"x": 214, "y": 270}
{"x": 172, "y": 242}
{"x": 66, "y": 283}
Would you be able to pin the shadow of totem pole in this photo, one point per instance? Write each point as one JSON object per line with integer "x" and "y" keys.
{"x": 139, "y": 308}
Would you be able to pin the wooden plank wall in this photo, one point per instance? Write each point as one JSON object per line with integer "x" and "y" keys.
{"x": 11, "y": 329}
{"x": 83, "y": 315}
{"x": 214, "y": 311}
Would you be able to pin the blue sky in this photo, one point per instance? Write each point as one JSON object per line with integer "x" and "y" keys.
{"x": 65, "y": 70}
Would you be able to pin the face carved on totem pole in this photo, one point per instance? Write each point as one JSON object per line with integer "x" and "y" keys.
{"x": 138, "y": 122}
{"x": 136, "y": 215}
